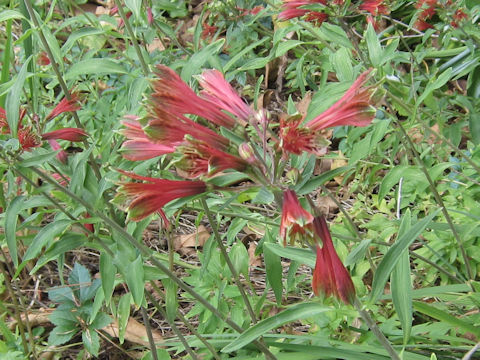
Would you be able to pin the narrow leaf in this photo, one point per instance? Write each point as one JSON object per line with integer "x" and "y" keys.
{"x": 44, "y": 236}
{"x": 11, "y": 217}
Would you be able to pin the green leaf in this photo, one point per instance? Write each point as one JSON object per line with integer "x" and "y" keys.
{"x": 44, "y": 236}
{"x": 273, "y": 268}
{"x": 10, "y": 15}
{"x": 239, "y": 257}
{"x": 78, "y": 34}
{"x": 66, "y": 243}
{"x": 96, "y": 66}
{"x": 100, "y": 321}
{"x": 107, "y": 271}
{"x": 401, "y": 286}
{"x": 303, "y": 256}
{"x": 390, "y": 180}
{"x": 315, "y": 182}
{"x": 441, "y": 80}
{"x": 264, "y": 196}
{"x": 60, "y": 335}
{"x": 171, "y": 303}
{"x": 123, "y": 315}
{"x": 12, "y": 106}
{"x": 255, "y": 63}
{"x": 474, "y": 126}
{"x": 445, "y": 317}
{"x": 244, "y": 51}
{"x": 11, "y": 217}
{"x": 198, "y": 60}
{"x": 91, "y": 341}
{"x": 286, "y": 45}
{"x": 375, "y": 52}
{"x": 393, "y": 254}
{"x": 80, "y": 277}
{"x": 135, "y": 6}
{"x": 36, "y": 160}
{"x": 342, "y": 62}
{"x": 135, "y": 280}
{"x": 294, "y": 313}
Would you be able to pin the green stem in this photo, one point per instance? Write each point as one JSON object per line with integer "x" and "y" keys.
{"x": 151, "y": 342}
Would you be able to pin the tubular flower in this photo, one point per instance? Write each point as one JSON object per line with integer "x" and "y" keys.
{"x": 62, "y": 156}
{"x": 65, "y": 105}
{"x": 147, "y": 198}
{"x": 375, "y": 7}
{"x": 354, "y": 108}
{"x": 177, "y": 98}
{"x": 293, "y": 8}
{"x": 218, "y": 91}
{"x": 330, "y": 277}
{"x": 296, "y": 221}
{"x": 139, "y": 146}
{"x": 199, "y": 158}
{"x": 70, "y": 134}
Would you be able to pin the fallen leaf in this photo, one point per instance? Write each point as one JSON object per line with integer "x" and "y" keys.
{"x": 194, "y": 240}
{"x": 254, "y": 261}
{"x": 156, "y": 44}
{"x": 135, "y": 332}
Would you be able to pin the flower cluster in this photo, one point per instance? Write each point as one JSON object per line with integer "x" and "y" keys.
{"x": 214, "y": 132}
{"x": 29, "y": 138}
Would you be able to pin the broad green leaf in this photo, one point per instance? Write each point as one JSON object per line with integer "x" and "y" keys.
{"x": 358, "y": 253}
{"x": 107, "y": 271}
{"x": 91, "y": 341}
{"x": 45, "y": 236}
{"x": 445, "y": 317}
{"x": 11, "y": 217}
{"x": 78, "y": 34}
{"x": 441, "y": 80}
{"x": 474, "y": 125}
{"x": 390, "y": 259}
{"x": 334, "y": 34}
{"x": 342, "y": 62}
{"x": 255, "y": 63}
{"x": 286, "y": 45}
{"x": 135, "y": 6}
{"x": 12, "y": 106}
{"x": 239, "y": 257}
{"x": 135, "y": 280}
{"x": 60, "y": 335}
{"x": 198, "y": 60}
{"x": 96, "y": 66}
{"x": 375, "y": 52}
{"x": 297, "y": 312}
{"x": 390, "y": 180}
{"x": 273, "y": 268}
{"x": 303, "y": 256}
{"x": 80, "y": 280}
{"x": 100, "y": 321}
{"x": 123, "y": 314}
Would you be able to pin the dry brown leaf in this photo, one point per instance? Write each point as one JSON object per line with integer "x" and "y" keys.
{"x": 34, "y": 319}
{"x": 254, "y": 260}
{"x": 335, "y": 165}
{"x": 194, "y": 240}
{"x": 135, "y": 332}
{"x": 156, "y": 44}
{"x": 302, "y": 105}
{"x": 327, "y": 205}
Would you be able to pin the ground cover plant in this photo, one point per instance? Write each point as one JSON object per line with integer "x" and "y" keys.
{"x": 239, "y": 179}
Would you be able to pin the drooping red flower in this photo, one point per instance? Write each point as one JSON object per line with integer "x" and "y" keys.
{"x": 375, "y": 7}
{"x": 150, "y": 18}
{"x": 70, "y": 134}
{"x": 422, "y": 25}
{"x": 330, "y": 277}
{"x": 43, "y": 59}
{"x": 65, "y": 105}
{"x": 354, "y": 108}
{"x": 62, "y": 156}
{"x": 139, "y": 146}
{"x": 296, "y": 221}
{"x": 149, "y": 197}
{"x": 458, "y": 17}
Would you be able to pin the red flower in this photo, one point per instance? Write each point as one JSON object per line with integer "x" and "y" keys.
{"x": 458, "y": 17}
{"x": 330, "y": 277}
{"x": 177, "y": 98}
{"x": 354, "y": 108}
{"x": 199, "y": 158}
{"x": 150, "y": 197}
{"x": 70, "y": 134}
{"x": 220, "y": 92}
{"x": 43, "y": 59}
{"x": 150, "y": 18}
{"x": 62, "y": 156}
{"x": 65, "y": 105}
{"x": 4, "y": 129}
{"x": 374, "y": 7}
{"x": 208, "y": 31}
{"x": 422, "y": 25}
{"x": 296, "y": 221}
{"x": 292, "y": 9}
{"x": 139, "y": 146}
{"x": 27, "y": 138}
